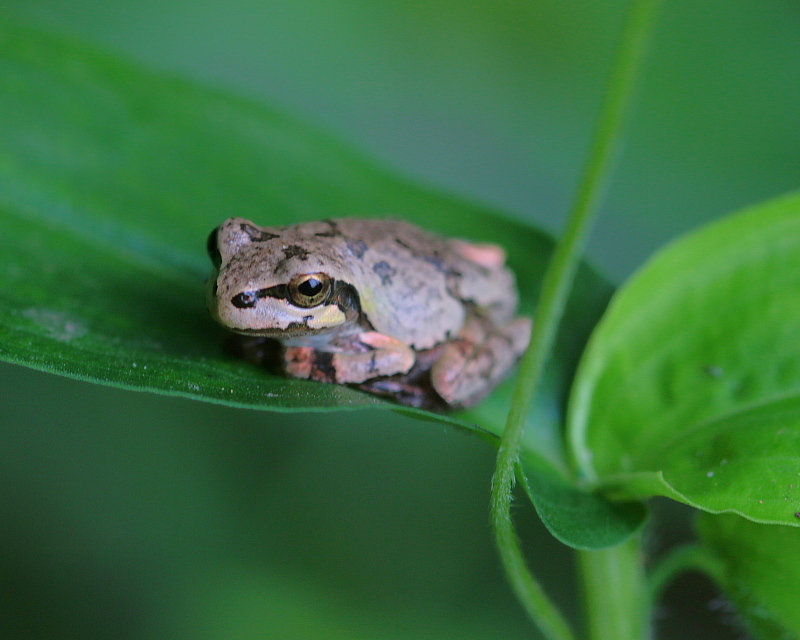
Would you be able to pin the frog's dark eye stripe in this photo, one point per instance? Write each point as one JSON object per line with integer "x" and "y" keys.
{"x": 278, "y": 291}
{"x": 248, "y": 299}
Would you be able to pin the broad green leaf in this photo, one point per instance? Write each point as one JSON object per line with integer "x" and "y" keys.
{"x": 690, "y": 386}
{"x": 112, "y": 178}
{"x": 761, "y": 572}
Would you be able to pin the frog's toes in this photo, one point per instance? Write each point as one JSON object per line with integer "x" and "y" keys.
{"x": 301, "y": 362}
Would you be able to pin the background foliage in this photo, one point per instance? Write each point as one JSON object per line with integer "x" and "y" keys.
{"x": 233, "y": 521}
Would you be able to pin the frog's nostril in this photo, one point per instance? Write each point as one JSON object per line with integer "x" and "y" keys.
{"x": 245, "y": 300}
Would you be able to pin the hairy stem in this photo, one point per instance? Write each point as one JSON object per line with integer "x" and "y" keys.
{"x": 555, "y": 287}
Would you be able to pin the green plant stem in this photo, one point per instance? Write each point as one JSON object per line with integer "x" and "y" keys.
{"x": 555, "y": 287}
{"x": 684, "y": 558}
{"x": 617, "y": 605}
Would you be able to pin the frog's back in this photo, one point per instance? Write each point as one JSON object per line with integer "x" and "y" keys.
{"x": 416, "y": 286}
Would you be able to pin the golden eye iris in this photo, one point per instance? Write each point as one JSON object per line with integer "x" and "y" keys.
{"x": 309, "y": 290}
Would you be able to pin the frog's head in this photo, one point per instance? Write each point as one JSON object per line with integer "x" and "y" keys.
{"x": 268, "y": 281}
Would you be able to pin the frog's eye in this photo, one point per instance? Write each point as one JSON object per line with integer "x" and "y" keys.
{"x": 309, "y": 290}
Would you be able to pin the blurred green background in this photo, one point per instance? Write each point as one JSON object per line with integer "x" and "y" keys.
{"x": 126, "y": 515}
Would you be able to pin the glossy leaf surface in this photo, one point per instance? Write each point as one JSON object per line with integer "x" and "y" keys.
{"x": 690, "y": 386}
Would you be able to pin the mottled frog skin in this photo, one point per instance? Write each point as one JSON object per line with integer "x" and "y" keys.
{"x": 380, "y": 304}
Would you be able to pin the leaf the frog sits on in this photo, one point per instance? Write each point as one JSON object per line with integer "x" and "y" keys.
{"x": 380, "y": 304}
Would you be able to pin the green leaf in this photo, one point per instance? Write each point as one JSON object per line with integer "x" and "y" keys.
{"x": 580, "y": 519}
{"x": 690, "y": 386}
{"x": 112, "y": 179}
{"x": 761, "y": 572}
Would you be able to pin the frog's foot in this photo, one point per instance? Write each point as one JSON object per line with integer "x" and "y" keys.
{"x": 374, "y": 354}
{"x": 478, "y": 359}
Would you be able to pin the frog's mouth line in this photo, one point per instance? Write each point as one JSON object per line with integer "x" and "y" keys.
{"x": 292, "y": 330}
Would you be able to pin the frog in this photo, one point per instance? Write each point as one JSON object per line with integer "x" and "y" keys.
{"x": 379, "y": 304}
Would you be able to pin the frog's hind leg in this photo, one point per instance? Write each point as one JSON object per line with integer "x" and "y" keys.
{"x": 474, "y": 362}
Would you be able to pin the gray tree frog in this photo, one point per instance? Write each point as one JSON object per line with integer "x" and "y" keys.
{"x": 379, "y": 304}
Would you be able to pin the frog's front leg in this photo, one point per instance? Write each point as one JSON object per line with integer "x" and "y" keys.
{"x": 473, "y": 363}
{"x": 366, "y": 355}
